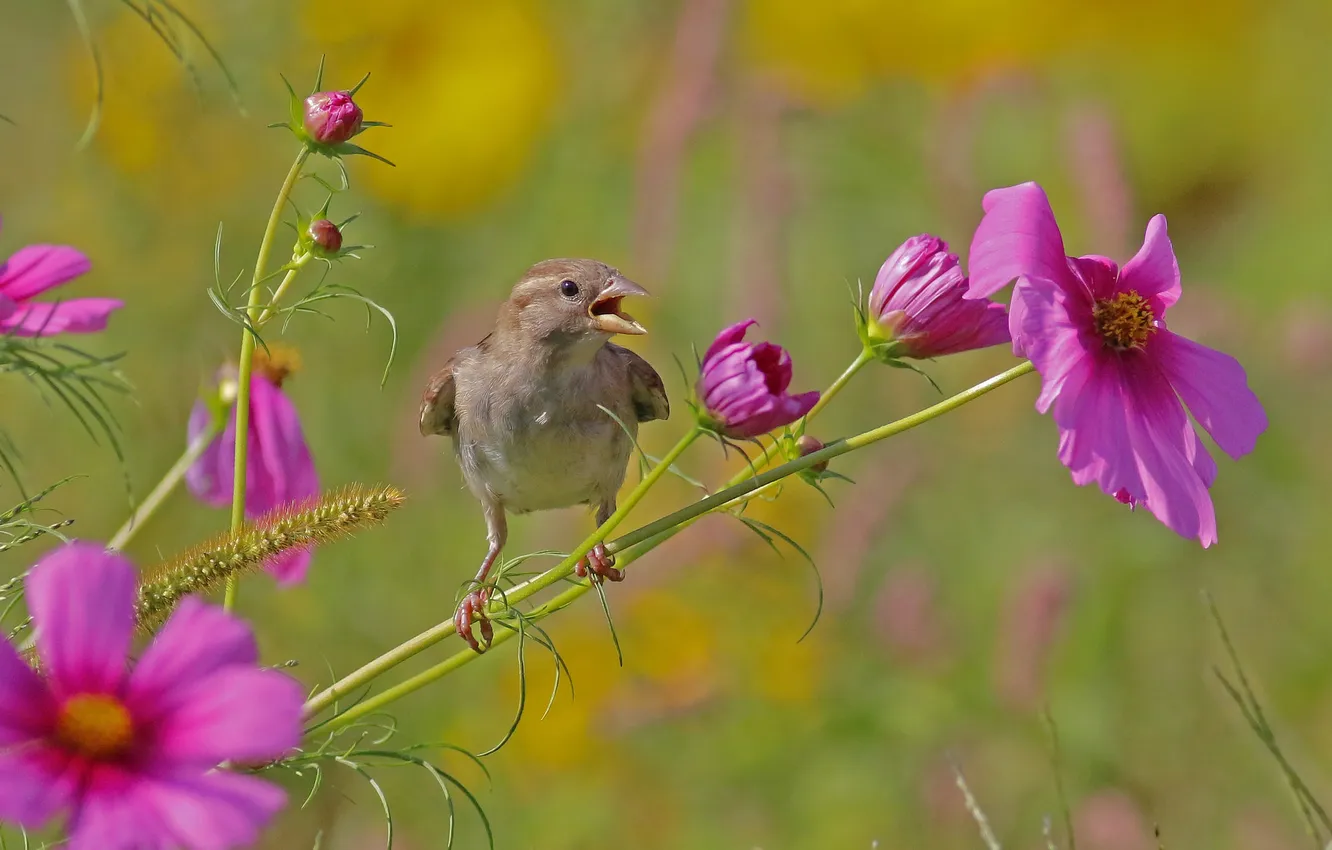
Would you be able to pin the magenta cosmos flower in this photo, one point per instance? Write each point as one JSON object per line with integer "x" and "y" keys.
{"x": 279, "y": 467}
{"x": 32, "y": 271}
{"x": 132, "y": 756}
{"x": 1117, "y": 378}
{"x": 918, "y": 306}
{"x": 743, "y": 385}
{"x": 332, "y": 117}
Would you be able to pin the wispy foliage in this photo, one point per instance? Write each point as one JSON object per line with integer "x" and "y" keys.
{"x": 77, "y": 379}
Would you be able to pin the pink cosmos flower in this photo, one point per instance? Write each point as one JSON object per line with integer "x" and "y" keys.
{"x": 279, "y": 466}
{"x": 918, "y": 306}
{"x": 1114, "y": 374}
{"x": 32, "y": 271}
{"x": 132, "y": 755}
{"x": 743, "y": 385}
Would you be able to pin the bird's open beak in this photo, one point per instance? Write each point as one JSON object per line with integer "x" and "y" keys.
{"x": 606, "y": 312}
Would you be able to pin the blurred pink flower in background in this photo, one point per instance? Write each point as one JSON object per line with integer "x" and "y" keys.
{"x": 918, "y": 307}
{"x": 279, "y": 467}
{"x": 744, "y": 385}
{"x": 1031, "y": 621}
{"x": 132, "y": 755}
{"x": 1111, "y": 820}
{"x": 1113, "y": 373}
{"x": 906, "y": 615}
{"x": 33, "y": 270}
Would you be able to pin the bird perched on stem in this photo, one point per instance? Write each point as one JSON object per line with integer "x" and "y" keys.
{"x": 527, "y": 406}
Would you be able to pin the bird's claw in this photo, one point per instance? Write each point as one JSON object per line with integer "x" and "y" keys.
{"x": 471, "y": 609}
{"x": 600, "y": 564}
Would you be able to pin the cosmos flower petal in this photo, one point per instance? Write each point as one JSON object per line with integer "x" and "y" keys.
{"x": 205, "y": 478}
{"x": 78, "y": 316}
{"x": 1017, "y": 236}
{"x": 36, "y": 268}
{"x": 290, "y": 567}
{"x": 26, "y": 706}
{"x": 1053, "y": 341}
{"x": 82, "y": 603}
{"x": 35, "y": 785}
{"x": 239, "y": 713}
{"x": 1175, "y": 494}
{"x": 215, "y": 811}
{"x": 1153, "y": 272}
{"x": 196, "y": 641}
{"x": 729, "y": 336}
{"x": 281, "y": 449}
{"x": 1096, "y": 441}
{"x": 1215, "y": 388}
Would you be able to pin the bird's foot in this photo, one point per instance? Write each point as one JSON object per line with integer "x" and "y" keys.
{"x": 600, "y": 564}
{"x": 473, "y": 609}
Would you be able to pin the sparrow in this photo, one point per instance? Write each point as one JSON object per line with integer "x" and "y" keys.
{"x": 528, "y": 409}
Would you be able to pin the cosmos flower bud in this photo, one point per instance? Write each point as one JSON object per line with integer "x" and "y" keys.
{"x": 331, "y": 117}
{"x": 743, "y": 385}
{"x": 918, "y": 306}
{"x": 326, "y": 236}
{"x": 808, "y": 445}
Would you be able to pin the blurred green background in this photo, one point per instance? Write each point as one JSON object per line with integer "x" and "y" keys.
{"x": 742, "y": 158}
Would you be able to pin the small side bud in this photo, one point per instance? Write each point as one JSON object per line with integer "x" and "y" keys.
{"x": 808, "y": 445}
{"x": 331, "y": 117}
{"x": 326, "y": 237}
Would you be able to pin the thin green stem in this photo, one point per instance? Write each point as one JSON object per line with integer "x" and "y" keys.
{"x": 163, "y": 488}
{"x": 630, "y": 547}
{"x": 246, "y": 362}
{"x": 440, "y": 631}
{"x": 295, "y": 269}
{"x": 837, "y": 385}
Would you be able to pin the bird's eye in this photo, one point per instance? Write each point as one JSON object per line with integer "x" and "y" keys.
{"x": 569, "y": 289}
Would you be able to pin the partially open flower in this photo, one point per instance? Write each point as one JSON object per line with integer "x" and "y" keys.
{"x": 326, "y": 236}
{"x": 918, "y": 307}
{"x": 133, "y": 755}
{"x": 279, "y": 466}
{"x": 332, "y": 117}
{"x": 743, "y": 385}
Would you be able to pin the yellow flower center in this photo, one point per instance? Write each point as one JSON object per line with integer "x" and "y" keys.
{"x": 276, "y": 363}
{"x": 1125, "y": 321}
{"x": 97, "y": 726}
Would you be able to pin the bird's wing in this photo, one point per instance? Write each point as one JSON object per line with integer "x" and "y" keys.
{"x": 437, "y": 413}
{"x": 647, "y": 390}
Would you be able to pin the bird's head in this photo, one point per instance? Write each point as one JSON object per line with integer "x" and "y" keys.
{"x": 572, "y": 302}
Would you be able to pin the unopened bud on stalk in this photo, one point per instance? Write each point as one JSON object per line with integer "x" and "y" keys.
{"x": 326, "y": 236}
{"x": 332, "y": 117}
{"x": 808, "y": 445}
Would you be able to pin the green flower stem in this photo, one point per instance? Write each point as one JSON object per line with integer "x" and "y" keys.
{"x": 164, "y": 488}
{"x": 842, "y": 380}
{"x": 439, "y": 632}
{"x": 243, "y": 368}
{"x": 296, "y": 265}
{"x": 631, "y": 546}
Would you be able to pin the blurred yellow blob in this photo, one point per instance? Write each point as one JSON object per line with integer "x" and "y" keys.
{"x": 467, "y": 86}
{"x": 155, "y": 126}
{"x": 830, "y": 52}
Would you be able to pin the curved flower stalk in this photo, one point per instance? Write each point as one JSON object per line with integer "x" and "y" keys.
{"x": 323, "y": 123}
{"x": 1116, "y": 377}
{"x": 132, "y": 756}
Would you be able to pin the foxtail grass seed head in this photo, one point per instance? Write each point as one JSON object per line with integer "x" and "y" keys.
{"x": 206, "y": 568}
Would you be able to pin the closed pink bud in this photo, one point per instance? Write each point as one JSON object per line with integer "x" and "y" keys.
{"x": 326, "y": 235}
{"x": 744, "y": 385}
{"x": 332, "y": 117}
{"x": 808, "y": 445}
